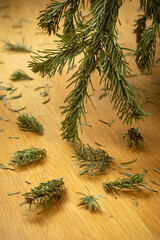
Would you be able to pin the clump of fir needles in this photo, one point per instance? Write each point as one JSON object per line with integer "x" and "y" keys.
{"x": 95, "y": 35}
{"x": 26, "y": 157}
{"x": 134, "y": 182}
{"x": 29, "y": 124}
{"x": 45, "y": 194}
{"x": 90, "y": 201}
{"x": 133, "y": 138}
{"x": 20, "y": 75}
{"x": 17, "y": 46}
{"x": 93, "y": 161}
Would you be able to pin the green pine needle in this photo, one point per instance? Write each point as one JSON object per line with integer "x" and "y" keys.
{"x": 93, "y": 161}
{"x": 20, "y": 75}
{"x": 17, "y": 46}
{"x": 45, "y": 194}
{"x": 134, "y": 138}
{"x": 90, "y": 201}
{"x": 26, "y": 157}
{"x": 29, "y": 124}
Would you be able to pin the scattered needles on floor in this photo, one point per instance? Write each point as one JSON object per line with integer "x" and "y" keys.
{"x": 14, "y": 193}
{"x": 17, "y": 110}
{"x": 45, "y": 194}
{"x": 11, "y": 137}
{"x": 17, "y": 46}
{"x": 19, "y": 75}
{"x": 134, "y": 182}
{"x": 156, "y": 170}
{"x": 93, "y": 161}
{"x": 90, "y": 201}
{"x": 126, "y": 163}
{"x": 29, "y": 124}
{"x": 45, "y": 92}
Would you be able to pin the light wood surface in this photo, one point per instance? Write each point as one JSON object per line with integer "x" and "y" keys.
{"x": 66, "y": 220}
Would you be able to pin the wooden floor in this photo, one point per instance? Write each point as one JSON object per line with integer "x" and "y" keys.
{"x": 120, "y": 218}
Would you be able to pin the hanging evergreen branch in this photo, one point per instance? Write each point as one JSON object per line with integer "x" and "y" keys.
{"x": 93, "y": 161}
{"x": 140, "y": 26}
{"x": 94, "y": 37}
{"x": 29, "y": 124}
{"x": 146, "y": 48}
{"x": 45, "y": 194}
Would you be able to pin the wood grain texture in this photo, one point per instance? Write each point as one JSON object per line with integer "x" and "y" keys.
{"x": 66, "y": 220}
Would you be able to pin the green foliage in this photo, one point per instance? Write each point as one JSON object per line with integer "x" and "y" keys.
{"x": 133, "y": 138}
{"x": 146, "y": 47}
{"x": 93, "y": 161}
{"x": 134, "y": 182}
{"x": 45, "y": 194}
{"x": 95, "y": 37}
{"x": 20, "y": 75}
{"x": 29, "y": 124}
{"x": 145, "y": 52}
{"x": 140, "y": 26}
{"x": 89, "y": 201}
{"x": 26, "y": 157}
{"x": 17, "y": 46}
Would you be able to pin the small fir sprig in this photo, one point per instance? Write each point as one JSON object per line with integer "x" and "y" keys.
{"x": 134, "y": 182}
{"x": 134, "y": 138}
{"x": 26, "y": 157}
{"x": 93, "y": 161}
{"x": 29, "y": 124}
{"x": 20, "y": 75}
{"x": 17, "y": 46}
{"x": 45, "y": 194}
{"x": 90, "y": 201}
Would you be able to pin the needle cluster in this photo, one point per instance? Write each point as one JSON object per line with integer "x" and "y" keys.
{"x": 134, "y": 138}
{"x": 134, "y": 182}
{"x": 93, "y": 161}
{"x": 17, "y": 46}
{"x": 26, "y": 157}
{"x": 45, "y": 194}
{"x": 90, "y": 201}
{"x": 29, "y": 124}
{"x": 20, "y": 75}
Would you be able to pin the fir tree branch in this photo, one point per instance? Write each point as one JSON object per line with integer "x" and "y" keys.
{"x": 114, "y": 67}
{"x": 50, "y": 18}
{"x": 140, "y": 26}
{"x": 29, "y": 124}
{"x": 134, "y": 182}
{"x": 93, "y": 161}
{"x": 45, "y": 194}
{"x": 26, "y": 157}
{"x": 96, "y": 39}
{"x": 146, "y": 48}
